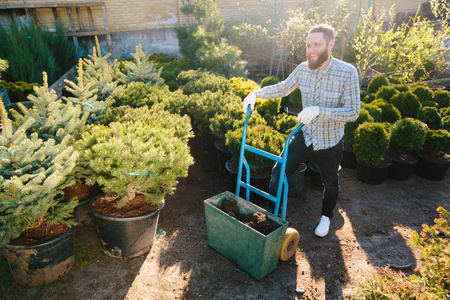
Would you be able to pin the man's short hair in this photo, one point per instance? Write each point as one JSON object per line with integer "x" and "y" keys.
{"x": 327, "y": 30}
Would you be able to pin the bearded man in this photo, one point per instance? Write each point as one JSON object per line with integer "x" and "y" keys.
{"x": 330, "y": 98}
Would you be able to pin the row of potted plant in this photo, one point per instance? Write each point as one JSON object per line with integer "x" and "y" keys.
{"x": 134, "y": 154}
{"x": 398, "y": 127}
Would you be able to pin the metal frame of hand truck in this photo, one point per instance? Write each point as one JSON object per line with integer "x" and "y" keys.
{"x": 283, "y": 179}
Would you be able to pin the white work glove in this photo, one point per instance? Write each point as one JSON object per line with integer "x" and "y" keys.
{"x": 307, "y": 114}
{"x": 249, "y": 100}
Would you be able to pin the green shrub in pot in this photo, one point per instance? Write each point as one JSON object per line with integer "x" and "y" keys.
{"x": 242, "y": 87}
{"x": 137, "y": 157}
{"x": 375, "y": 112}
{"x": 407, "y": 103}
{"x": 377, "y": 82}
{"x": 430, "y": 116}
{"x": 389, "y": 112}
{"x": 442, "y": 98}
{"x": 350, "y": 127}
{"x": 445, "y": 123}
{"x": 437, "y": 142}
{"x": 407, "y": 135}
{"x": 259, "y": 136}
{"x": 371, "y": 143}
{"x": 422, "y": 92}
{"x": 386, "y": 92}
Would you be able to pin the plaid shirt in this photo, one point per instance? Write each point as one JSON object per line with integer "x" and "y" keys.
{"x": 334, "y": 89}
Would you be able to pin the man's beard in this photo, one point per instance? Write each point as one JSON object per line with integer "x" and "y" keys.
{"x": 313, "y": 65}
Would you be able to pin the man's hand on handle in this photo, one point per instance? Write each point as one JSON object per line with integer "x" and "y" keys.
{"x": 249, "y": 100}
{"x": 308, "y": 114}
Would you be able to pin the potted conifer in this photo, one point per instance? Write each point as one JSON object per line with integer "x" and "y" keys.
{"x": 434, "y": 158}
{"x": 34, "y": 173}
{"x": 136, "y": 160}
{"x": 406, "y": 136}
{"x": 371, "y": 145}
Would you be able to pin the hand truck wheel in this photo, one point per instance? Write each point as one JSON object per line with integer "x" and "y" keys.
{"x": 289, "y": 244}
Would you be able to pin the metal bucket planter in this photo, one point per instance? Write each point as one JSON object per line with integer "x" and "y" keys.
{"x": 254, "y": 252}
{"x": 38, "y": 264}
{"x": 126, "y": 237}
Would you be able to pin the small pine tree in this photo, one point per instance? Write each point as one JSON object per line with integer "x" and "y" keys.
{"x": 141, "y": 69}
{"x": 33, "y": 173}
{"x": 85, "y": 94}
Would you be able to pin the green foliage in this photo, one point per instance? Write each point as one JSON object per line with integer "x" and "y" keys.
{"x": 138, "y": 156}
{"x": 285, "y": 123}
{"x": 445, "y": 123}
{"x": 371, "y": 143}
{"x": 31, "y": 50}
{"x": 3, "y": 66}
{"x": 350, "y": 127}
{"x": 430, "y": 116}
{"x": 375, "y": 112}
{"x": 368, "y": 98}
{"x": 401, "y": 87}
{"x": 433, "y": 280}
{"x": 212, "y": 83}
{"x": 268, "y": 108}
{"x": 184, "y": 77}
{"x": 407, "y": 103}
{"x": 389, "y": 113}
{"x": 138, "y": 94}
{"x": 242, "y": 87}
{"x": 259, "y": 136}
{"x": 105, "y": 76}
{"x": 442, "y": 98}
{"x": 444, "y": 112}
{"x": 202, "y": 107}
{"x": 270, "y": 80}
{"x": 249, "y": 37}
{"x": 141, "y": 68}
{"x": 295, "y": 97}
{"x": 422, "y": 92}
{"x": 228, "y": 119}
{"x": 408, "y": 135}
{"x": 440, "y": 9}
{"x": 85, "y": 94}
{"x": 52, "y": 119}
{"x": 376, "y": 83}
{"x": 189, "y": 45}
{"x": 430, "y": 103}
{"x": 33, "y": 173}
{"x": 437, "y": 142}
{"x": 386, "y": 92}
{"x": 172, "y": 66}
{"x": 18, "y": 91}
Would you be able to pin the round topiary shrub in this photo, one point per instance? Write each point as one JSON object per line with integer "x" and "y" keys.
{"x": 377, "y": 82}
{"x": 371, "y": 143}
{"x": 401, "y": 87}
{"x": 374, "y": 111}
{"x": 242, "y": 87}
{"x": 430, "y": 116}
{"x": 389, "y": 113}
{"x": 430, "y": 103}
{"x": 386, "y": 93}
{"x": 270, "y": 80}
{"x": 408, "y": 135}
{"x": 442, "y": 98}
{"x": 444, "y": 112}
{"x": 296, "y": 98}
{"x": 422, "y": 92}
{"x": 368, "y": 98}
{"x": 362, "y": 94}
{"x": 350, "y": 127}
{"x": 437, "y": 142}
{"x": 407, "y": 103}
{"x": 445, "y": 123}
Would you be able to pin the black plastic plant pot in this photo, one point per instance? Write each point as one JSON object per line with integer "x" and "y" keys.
{"x": 429, "y": 169}
{"x": 126, "y": 237}
{"x": 38, "y": 264}
{"x": 223, "y": 156}
{"x": 401, "y": 170}
{"x": 371, "y": 175}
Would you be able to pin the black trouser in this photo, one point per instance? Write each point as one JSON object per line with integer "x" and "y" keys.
{"x": 327, "y": 160}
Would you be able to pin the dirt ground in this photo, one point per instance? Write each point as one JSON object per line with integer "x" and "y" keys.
{"x": 372, "y": 227}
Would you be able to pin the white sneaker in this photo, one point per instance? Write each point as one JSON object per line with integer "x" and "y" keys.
{"x": 323, "y": 227}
